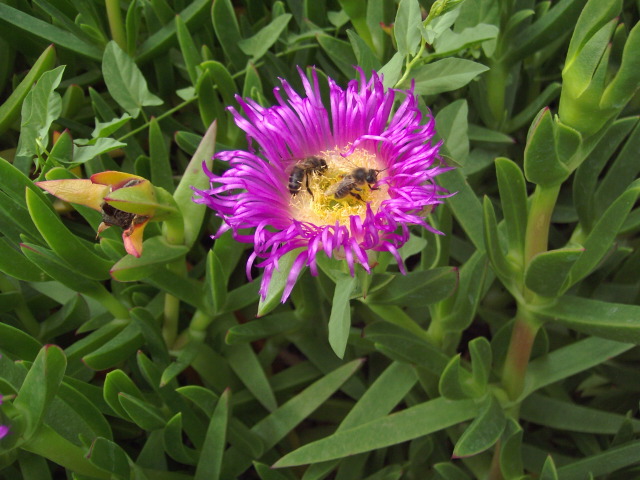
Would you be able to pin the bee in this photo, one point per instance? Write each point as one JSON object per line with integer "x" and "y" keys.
{"x": 351, "y": 183}
{"x": 301, "y": 172}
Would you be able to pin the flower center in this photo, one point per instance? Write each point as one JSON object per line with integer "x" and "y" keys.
{"x": 342, "y": 189}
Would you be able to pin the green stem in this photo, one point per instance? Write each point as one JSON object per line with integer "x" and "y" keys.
{"x": 200, "y": 322}
{"x": 196, "y": 331}
{"x": 170, "y": 317}
{"x": 412, "y": 64}
{"x": 117, "y": 309}
{"x": 173, "y": 231}
{"x": 114, "y": 15}
{"x": 158, "y": 118}
{"x": 537, "y": 236}
{"x": 524, "y": 332}
{"x": 495, "y": 473}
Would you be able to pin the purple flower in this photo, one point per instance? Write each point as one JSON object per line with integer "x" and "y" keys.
{"x": 281, "y": 197}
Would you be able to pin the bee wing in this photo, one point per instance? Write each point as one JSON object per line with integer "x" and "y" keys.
{"x": 333, "y": 188}
{"x": 347, "y": 180}
{"x": 350, "y": 164}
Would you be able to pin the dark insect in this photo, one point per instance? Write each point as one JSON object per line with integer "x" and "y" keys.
{"x": 351, "y": 183}
{"x": 112, "y": 216}
{"x": 301, "y": 172}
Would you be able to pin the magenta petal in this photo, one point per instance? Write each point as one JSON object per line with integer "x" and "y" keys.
{"x": 4, "y": 431}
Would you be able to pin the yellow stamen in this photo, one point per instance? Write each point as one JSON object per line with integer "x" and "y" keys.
{"x": 323, "y": 208}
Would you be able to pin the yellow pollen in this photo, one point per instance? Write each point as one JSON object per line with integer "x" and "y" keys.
{"x": 323, "y": 208}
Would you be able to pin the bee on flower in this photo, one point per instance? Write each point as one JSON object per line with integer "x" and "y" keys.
{"x": 373, "y": 175}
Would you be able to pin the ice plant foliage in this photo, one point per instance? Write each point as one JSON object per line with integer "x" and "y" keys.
{"x": 335, "y": 209}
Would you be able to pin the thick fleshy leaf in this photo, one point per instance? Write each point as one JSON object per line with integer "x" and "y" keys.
{"x": 161, "y": 174}
{"x": 484, "y": 431}
{"x": 340, "y": 53}
{"x": 210, "y": 463}
{"x": 570, "y": 360}
{"x": 188, "y": 48}
{"x": 56, "y": 268}
{"x": 456, "y": 381}
{"x": 465, "y": 205}
{"x": 461, "y": 308}
{"x": 401, "y": 345}
{"x": 18, "y": 343}
{"x": 340, "y": 319}
{"x": 146, "y": 416}
{"x": 603, "y": 463}
{"x": 568, "y": 416}
{"x": 50, "y": 33}
{"x": 549, "y": 471}
{"x": 116, "y": 350}
{"x": 513, "y": 197}
{"x": 276, "y": 425}
{"x": 277, "y": 284}
{"x": 244, "y": 362}
{"x": 547, "y": 272}
{"x": 194, "y": 177}
{"x": 115, "y": 383}
{"x": 14, "y": 264}
{"x": 108, "y": 456}
{"x": 367, "y": 59}
{"x": 40, "y": 386}
{"x": 511, "y": 450}
{"x": 227, "y": 30}
{"x": 413, "y": 422}
{"x": 544, "y": 30}
{"x": 157, "y": 252}
{"x": 604, "y": 233}
{"x": 10, "y": 109}
{"x": 173, "y": 444}
{"x": 263, "y": 328}
{"x": 542, "y": 164}
{"x": 164, "y": 37}
{"x": 65, "y": 243}
{"x": 603, "y": 319}
{"x": 417, "y": 288}
{"x": 494, "y": 246}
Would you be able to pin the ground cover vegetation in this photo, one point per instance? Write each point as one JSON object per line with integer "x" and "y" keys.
{"x": 436, "y": 202}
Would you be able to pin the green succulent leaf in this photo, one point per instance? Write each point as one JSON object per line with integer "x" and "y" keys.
{"x": 399, "y": 427}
